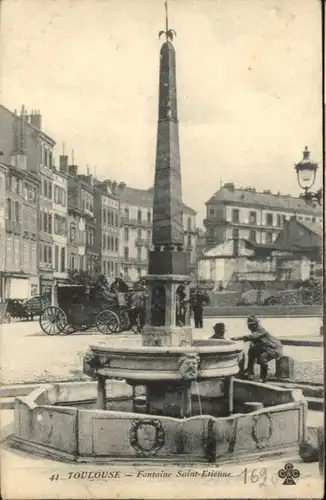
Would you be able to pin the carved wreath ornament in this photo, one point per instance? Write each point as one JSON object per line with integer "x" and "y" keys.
{"x": 262, "y": 433}
{"x": 146, "y": 436}
{"x": 188, "y": 366}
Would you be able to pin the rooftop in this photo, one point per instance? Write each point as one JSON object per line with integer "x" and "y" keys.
{"x": 311, "y": 226}
{"x": 249, "y": 196}
{"x": 144, "y": 198}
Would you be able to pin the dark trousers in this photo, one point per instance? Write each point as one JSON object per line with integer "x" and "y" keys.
{"x": 259, "y": 356}
{"x": 198, "y": 317}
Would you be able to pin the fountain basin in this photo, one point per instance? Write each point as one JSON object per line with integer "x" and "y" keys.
{"x": 141, "y": 364}
{"x": 51, "y": 421}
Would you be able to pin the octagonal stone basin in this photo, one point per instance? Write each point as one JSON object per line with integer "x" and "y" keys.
{"x": 59, "y": 422}
{"x": 213, "y": 359}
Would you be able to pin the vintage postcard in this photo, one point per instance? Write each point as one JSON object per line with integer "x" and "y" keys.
{"x": 161, "y": 249}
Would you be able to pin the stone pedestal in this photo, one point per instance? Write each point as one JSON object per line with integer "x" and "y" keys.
{"x": 285, "y": 367}
{"x": 166, "y": 336}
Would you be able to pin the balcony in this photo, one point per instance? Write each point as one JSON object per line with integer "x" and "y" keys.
{"x": 13, "y": 227}
{"x": 128, "y": 260}
{"x": 128, "y": 221}
{"x": 143, "y": 242}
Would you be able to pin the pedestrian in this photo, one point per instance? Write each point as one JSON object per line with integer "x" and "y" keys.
{"x": 263, "y": 348}
{"x": 198, "y": 301}
{"x": 219, "y": 331}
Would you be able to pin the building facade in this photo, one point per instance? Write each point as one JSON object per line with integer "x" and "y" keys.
{"x": 106, "y": 208}
{"x": 136, "y": 212}
{"x": 60, "y": 226}
{"x": 3, "y": 176}
{"x": 256, "y": 216}
{"x": 30, "y": 151}
{"x": 81, "y": 196}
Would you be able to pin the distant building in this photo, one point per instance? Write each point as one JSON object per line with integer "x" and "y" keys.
{"x": 60, "y": 226}
{"x": 19, "y": 141}
{"x": 295, "y": 256}
{"x": 81, "y": 196}
{"x": 256, "y": 216}
{"x": 3, "y": 173}
{"x": 136, "y": 231}
{"x": 106, "y": 209}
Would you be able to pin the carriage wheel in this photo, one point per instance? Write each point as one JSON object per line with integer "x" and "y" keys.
{"x": 52, "y": 320}
{"x": 68, "y": 329}
{"x": 125, "y": 323}
{"x": 107, "y": 322}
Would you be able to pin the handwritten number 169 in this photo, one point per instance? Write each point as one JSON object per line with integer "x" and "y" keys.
{"x": 259, "y": 476}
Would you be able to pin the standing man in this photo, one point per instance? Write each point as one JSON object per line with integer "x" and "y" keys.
{"x": 263, "y": 348}
{"x": 198, "y": 301}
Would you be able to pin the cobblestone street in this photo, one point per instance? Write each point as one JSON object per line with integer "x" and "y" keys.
{"x": 29, "y": 355}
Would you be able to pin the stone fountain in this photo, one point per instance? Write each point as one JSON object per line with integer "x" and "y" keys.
{"x": 163, "y": 396}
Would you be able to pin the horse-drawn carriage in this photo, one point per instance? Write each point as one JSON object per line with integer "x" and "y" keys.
{"x": 79, "y": 308}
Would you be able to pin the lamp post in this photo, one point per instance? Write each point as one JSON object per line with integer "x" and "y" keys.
{"x": 306, "y": 174}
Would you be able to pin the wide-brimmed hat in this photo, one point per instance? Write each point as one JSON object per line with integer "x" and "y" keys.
{"x": 252, "y": 320}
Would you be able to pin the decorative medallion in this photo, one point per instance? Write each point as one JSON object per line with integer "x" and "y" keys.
{"x": 262, "y": 429}
{"x": 146, "y": 436}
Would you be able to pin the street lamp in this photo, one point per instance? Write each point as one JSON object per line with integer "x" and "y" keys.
{"x": 306, "y": 174}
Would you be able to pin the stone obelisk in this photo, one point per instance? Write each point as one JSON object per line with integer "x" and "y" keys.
{"x": 167, "y": 312}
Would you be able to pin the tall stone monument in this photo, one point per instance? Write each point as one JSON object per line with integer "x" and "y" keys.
{"x": 167, "y": 309}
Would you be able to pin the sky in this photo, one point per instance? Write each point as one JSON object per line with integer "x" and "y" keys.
{"x": 248, "y": 74}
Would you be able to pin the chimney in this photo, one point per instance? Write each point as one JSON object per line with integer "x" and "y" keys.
{"x": 229, "y": 185}
{"x": 64, "y": 164}
{"x": 73, "y": 170}
{"x": 36, "y": 119}
{"x": 121, "y": 187}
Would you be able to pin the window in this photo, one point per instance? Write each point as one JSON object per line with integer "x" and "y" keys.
{"x": 139, "y": 234}
{"x": 126, "y": 213}
{"x": 269, "y": 219}
{"x": 50, "y": 255}
{"x": 45, "y": 254}
{"x": 125, "y": 271}
{"x": 149, "y": 217}
{"x": 104, "y": 215}
{"x": 314, "y": 219}
{"x": 46, "y": 157}
{"x": 73, "y": 262}
{"x": 149, "y": 235}
{"x": 138, "y": 272}
{"x": 139, "y": 216}
{"x": 253, "y": 218}
{"x": 63, "y": 259}
{"x": 56, "y": 258}
{"x": 235, "y": 215}
{"x": 279, "y": 220}
{"x": 126, "y": 253}
{"x": 252, "y": 236}
{"x": 116, "y": 219}
{"x": 73, "y": 233}
{"x": 126, "y": 234}
{"x": 189, "y": 241}
{"x": 49, "y": 223}
{"x": 235, "y": 233}
{"x": 138, "y": 253}
{"x": 45, "y": 188}
{"x": 116, "y": 268}
{"x": 235, "y": 236}
{"x": 50, "y": 190}
{"x": 104, "y": 241}
{"x": 189, "y": 224}
{"x": 269, "y": 237}
{"x": 9, "y": 209}
{"x": 116, "y": 245}
{"x": 211, "y": 212}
